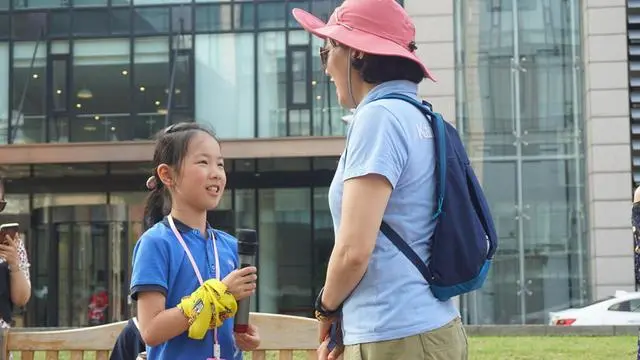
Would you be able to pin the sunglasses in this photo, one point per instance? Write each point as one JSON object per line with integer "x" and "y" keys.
{"x": 324, "y": 55}
{"x": 3, "y": 204}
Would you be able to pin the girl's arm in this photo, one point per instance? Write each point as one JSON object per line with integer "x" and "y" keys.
{"x": 157, "y": 324}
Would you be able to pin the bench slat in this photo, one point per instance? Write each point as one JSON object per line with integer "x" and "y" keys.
{"x": 312, "y": 355}
{"x": 102, "y": 355}
{"x": 27, "y": 355}
{"x": 77, "y": 355}
{"x": 259, "y": 355}
{"x": 52, "y": 355}
{"x": 285, "y": 355}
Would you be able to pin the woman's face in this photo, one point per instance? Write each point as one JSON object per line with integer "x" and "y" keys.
{"x": 336, "y": 61}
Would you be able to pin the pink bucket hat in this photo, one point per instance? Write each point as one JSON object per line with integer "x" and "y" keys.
{"x": 377, "y": 27}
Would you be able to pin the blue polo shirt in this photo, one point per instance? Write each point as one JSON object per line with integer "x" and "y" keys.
{"x": 161, "y": 264}
{"x": 392, "y": 138}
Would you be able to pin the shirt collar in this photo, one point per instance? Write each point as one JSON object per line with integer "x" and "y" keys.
{"x": 395, "y": 86}
{"x": 184, "y": 228}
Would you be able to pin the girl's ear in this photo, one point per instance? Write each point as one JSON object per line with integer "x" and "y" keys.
{"x": 165, "y": 175}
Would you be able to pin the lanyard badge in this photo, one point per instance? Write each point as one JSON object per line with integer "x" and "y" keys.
{"x": 216, "y": 345}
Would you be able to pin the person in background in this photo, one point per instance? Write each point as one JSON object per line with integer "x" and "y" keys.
{"x": 635, "y": 227}
{"x": 15, "y": 283}
{"x": 129, "y": 343}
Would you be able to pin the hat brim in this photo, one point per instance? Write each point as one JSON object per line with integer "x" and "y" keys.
{"x": 356, "y": 39}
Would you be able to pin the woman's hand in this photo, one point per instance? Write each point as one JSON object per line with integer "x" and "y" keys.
{"x": 241, "y": 283}
{"x": 248, "y": 341}
{"x": 325, "y": 354}
{"x": 9, "y": 251}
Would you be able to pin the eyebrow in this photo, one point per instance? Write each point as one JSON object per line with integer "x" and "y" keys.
{"x": 219, "y": 157}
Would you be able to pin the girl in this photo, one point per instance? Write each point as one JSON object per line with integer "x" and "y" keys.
{"x": 184, "y": 274}
{"x": 385, "y": 173}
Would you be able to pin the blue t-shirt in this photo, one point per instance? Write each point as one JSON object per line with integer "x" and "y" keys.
{"x": 393, "y": 139}
{"x": 161, "y": 264}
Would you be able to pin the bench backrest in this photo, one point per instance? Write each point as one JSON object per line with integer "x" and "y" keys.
{"x": 280, "y": 333}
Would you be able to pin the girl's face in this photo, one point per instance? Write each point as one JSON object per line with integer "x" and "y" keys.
{"x": 202, "y": 178}
{"x": 336, "y": 61}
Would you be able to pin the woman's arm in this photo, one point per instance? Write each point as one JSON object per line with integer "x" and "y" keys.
{"x": 157, "y": 324}
{"x": 20, "y": 281}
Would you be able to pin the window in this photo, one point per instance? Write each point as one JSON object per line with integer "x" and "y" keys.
{"x": 28, "y": 26}
{"x": 5, "y": 29}
{"x": 225, "y": 84}
{"x": 151, "y": 85}
{"x": 151, "y": 21}
{"x": 272, "y": 84}
{"x": 626, "y": 306}
{"x": 29, "y": 90}
{"x": 213, "y": 17}
{"x": 285, "y": 228}
{"x": 4, "y": 92}
{"x": 101, "y": 95}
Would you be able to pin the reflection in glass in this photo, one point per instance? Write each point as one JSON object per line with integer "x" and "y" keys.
{"x": 284, "y": 285}
{"x": 272, "y": 84}
{"x": 224, "y": 87}
{"x": 151, "y": 85}
{"x": 4, "y": 91}
{"x": 151, "y": 20}
{"x": 271, "y": 15}
{"x": 101, "y": 95}
{"x": 29, "y": 92}
{"x": 517, "y": 93}
{"x": 88, "y": 22}
{"x": 323, "y": 237}
{"x": 327, "y": 112}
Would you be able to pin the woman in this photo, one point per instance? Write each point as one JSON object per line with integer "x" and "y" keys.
{"x": 386, "y": 172}
{"x": 635, "y": 226}
{"x": 15, "y": 284}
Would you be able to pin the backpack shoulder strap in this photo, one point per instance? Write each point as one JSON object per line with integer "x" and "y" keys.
{"x": 436, "y": 122}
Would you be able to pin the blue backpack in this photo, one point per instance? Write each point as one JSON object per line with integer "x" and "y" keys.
{"x": 464, "y": 239}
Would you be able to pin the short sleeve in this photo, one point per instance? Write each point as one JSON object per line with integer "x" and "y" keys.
{"x": 150, "y": 266}
{"x": 376, "y": 144}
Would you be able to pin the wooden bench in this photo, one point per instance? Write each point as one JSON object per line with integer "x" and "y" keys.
{"x": 282, "y": 334}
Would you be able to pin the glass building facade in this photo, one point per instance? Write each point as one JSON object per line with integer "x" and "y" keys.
{"x": 75, "y": 71}
{"x": 111, "y": 70}
{"x": 520, "y": 111}
{"x": 114, "y": 70}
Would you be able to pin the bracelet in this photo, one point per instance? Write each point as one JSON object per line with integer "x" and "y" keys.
{"x": 321, "y": 313}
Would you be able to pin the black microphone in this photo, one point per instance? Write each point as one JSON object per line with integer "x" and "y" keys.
{"x": 247, "y": 248}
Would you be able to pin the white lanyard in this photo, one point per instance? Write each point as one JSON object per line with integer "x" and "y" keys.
{"x": 216, "y": 345}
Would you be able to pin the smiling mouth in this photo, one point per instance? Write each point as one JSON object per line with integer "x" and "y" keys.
{"x": 214, "y": 189}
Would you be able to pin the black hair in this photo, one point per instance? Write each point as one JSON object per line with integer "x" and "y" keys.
{"x": 376, "y": 69}
{"x": 171, "y": 148}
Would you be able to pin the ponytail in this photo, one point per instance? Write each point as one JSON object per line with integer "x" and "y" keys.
{"x": 154, "y": 209}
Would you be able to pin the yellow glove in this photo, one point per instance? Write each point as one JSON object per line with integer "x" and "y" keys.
{"x": 207, "y": 307}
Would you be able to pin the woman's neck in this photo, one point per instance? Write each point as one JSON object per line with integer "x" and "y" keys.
{"x": 190, "y": 217}
{"x": 360, "y": 91}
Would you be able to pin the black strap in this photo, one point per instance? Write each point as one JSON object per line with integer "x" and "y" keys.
{"x": 402, "y": 245}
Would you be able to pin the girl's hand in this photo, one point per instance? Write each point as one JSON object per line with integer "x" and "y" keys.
{"x": 248, "y": 341}
{"x": 241, "y": 283}
{"x": 9, "y": 251}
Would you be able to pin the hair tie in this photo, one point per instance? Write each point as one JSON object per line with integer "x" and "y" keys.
{"x": 151, "y": 183}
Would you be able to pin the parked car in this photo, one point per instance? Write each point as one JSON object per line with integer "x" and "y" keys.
{"x": 621, "y": 309}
